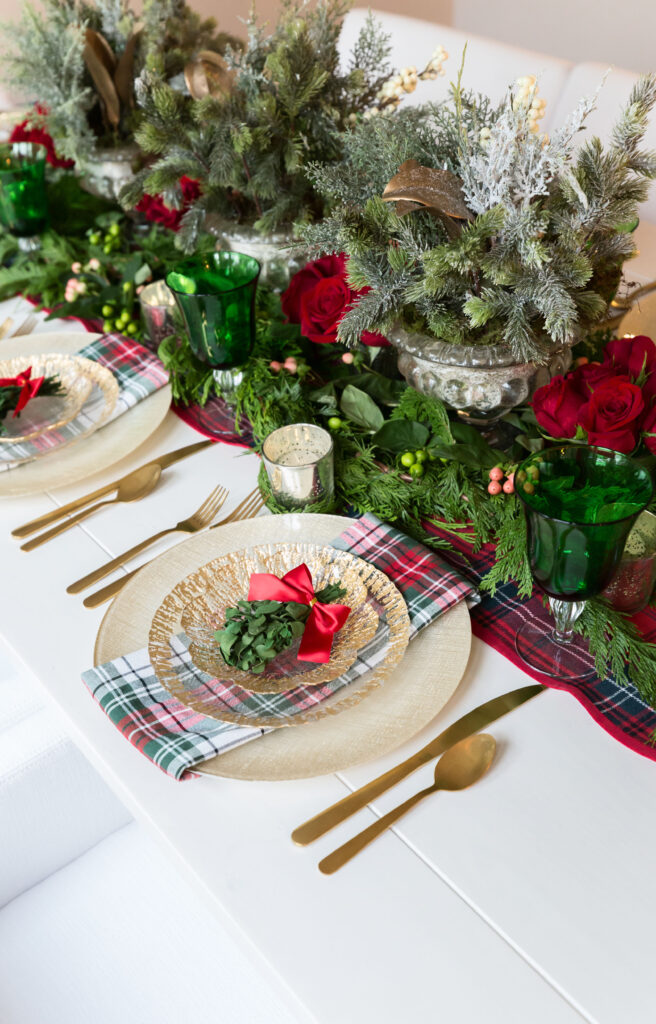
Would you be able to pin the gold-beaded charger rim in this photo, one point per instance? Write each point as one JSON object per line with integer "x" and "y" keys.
{"x": 166, "y": 624}
{"x": 228, "y": 583}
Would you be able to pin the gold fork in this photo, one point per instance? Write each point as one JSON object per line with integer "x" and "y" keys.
{"x": 201, "y": 518}
{"x": 27, "y": 326}
{"x": 6, "y": 326}
{"x": 248, "y": 508}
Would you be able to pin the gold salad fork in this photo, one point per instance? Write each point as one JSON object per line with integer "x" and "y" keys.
{"x": 248, "y": 508}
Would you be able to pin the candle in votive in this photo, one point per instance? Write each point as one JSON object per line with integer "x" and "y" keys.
{"x": 299, "y": 463}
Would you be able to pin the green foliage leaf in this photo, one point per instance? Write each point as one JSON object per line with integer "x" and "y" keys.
{"x": 360, "y": 408}
{"x": 399, "y": 435}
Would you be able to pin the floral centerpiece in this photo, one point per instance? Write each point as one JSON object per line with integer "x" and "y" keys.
{"x": 248, "y": 130}
{"x": 79, "y": 61}
{"x": 476, "y": 241}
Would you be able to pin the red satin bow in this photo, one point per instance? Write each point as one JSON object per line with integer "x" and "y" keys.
{"x": 29, "y": 388}
{"x": 323, "y": 621}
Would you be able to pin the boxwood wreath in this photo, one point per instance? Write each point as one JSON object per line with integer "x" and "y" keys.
{"x": 375, "y": 421}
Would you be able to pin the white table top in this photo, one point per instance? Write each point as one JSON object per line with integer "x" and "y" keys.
{"x": 525, "y": 899}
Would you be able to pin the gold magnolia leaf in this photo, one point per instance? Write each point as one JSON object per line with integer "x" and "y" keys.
{"x": 208, "y": 75}
{"x": 124, "y": 74}
{"x": 101, "y": 48}
{"x": 439, "y": 190}
{"x": 104, "y": 84}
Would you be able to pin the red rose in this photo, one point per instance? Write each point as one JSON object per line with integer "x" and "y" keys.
{"x": 649, "y": 430}
{"x": 155, "y": 209}
{"x": 556, "y": 406}
{"x": 306, "y": 279}
{"x": 589, "y": 376}
{"x": 23, "y": 132}
{"x": 631, "y": 355}
{"x": 317, "y": 298}
{"x": 611, "y": 416}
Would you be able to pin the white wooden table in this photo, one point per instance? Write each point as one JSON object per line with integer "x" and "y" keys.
{"x": 525, "y": 900}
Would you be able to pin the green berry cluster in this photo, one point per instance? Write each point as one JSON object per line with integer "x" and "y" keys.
{"x": 111, "y": 241}
{"x": 414, "y": 462}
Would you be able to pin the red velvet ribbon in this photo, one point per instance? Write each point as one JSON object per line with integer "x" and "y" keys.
{"x": 29, "y": 388}
{"x": 323, "y": 621}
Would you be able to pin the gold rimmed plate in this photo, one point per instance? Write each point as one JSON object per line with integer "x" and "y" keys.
{"x": 225, "y": 582}
{"x": 46, "y": 413}
{"x": 305, "y": 697}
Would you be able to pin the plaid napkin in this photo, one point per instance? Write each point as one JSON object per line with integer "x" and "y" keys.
{"x": 176, "y": 738}
{"x": 138, "y": 373}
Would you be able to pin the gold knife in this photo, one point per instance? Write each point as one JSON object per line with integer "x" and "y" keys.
{"x": 163, "y": 461}
{"x": 472, "y": 722}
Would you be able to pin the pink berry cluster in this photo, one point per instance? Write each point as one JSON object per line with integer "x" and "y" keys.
{"x": 495, "y": 486}
{"x": 289, "y": 364}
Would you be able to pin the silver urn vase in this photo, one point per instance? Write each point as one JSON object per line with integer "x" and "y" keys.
{"x": 279, "y": 254}
{"x": 108, "y": 169}
{"x": 480, "y": 382}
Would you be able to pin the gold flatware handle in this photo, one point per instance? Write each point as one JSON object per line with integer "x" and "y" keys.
{"x": 472, "y": 722}
{"x": 335, "y": 860}
{"x": 164, "y": 461}
{"x": 43, "y": 538}
{"x": 116, "y": 563}
{"x": 106, "y": 593}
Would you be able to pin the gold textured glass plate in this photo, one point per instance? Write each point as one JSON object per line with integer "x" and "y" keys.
{"x": 365, "y": 581}
{"x": 416, "y": 691}
{"x": 72, "y": 463}
{"x": 225, "y": 581}
{"x": 47, "y": 413}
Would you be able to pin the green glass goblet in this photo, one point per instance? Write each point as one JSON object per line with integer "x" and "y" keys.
{"x": 215, "y": 293}
{"x": 23, "y": 200}
{"x": 580, "y": 504}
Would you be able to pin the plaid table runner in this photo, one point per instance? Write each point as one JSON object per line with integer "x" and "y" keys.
{"x": 138, "y": 373}
{"x": 176, "y": 738}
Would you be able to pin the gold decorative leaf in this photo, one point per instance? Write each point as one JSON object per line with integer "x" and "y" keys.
{"x": 101, "y": 48}
{"x": 439, "y": 190}
{"x": 102, "y": 79}
{"x": 124, "y": 74}
{"x": 208, "y": 75}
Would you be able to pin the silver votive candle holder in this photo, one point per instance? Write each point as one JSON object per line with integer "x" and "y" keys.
{"x": 631, "y": 587}
{"x": 299, "y": 464}
{"x": 157, "y": 305}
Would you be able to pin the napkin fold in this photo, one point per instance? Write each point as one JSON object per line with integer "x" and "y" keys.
{"x": 138, "y": 373}
{"x": 176, "y": 738}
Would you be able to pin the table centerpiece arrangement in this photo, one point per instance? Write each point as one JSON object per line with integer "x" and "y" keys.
{"x": 80, "y": 63}
{"x": 480, "y": 247}
{"x": 249, "y": 134}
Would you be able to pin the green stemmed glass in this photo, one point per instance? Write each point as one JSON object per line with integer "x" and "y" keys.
{"x": 23, "y": 200}
{"x": 580, "y": 504}
{"x": 215, "y": 293}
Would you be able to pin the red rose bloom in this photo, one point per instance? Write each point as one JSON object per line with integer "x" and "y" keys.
{"x": 556, "y": 406}
{"x": 588, "y": 377}
{"x": 24, "y": 133}
{"x": 317, "y": 298}
{"x": 612, "y": 415}
{"x": 155, "y": 209}
{"x": 631, "y": 355}
{"x": 649, "y": 430}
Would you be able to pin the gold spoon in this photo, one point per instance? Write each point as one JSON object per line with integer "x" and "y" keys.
{"x": 461, "y": 766}
{"x": 136, "y": 486}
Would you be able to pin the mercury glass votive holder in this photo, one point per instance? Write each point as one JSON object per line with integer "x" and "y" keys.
{"x": 632, "y": 585}
{"x": 299, "y": 464}
{"x": 157, "y": 305}
{"x": 23, "y": 199}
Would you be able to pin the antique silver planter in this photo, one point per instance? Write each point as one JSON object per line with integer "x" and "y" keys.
{"x": 107, "y": 170}
{"x": 480, "y": 382}
{"x": 278, "y": 253}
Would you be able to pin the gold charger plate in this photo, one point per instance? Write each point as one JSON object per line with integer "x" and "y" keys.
{"x": 95, "y": 453}
{"x": 198, "y": 604}
{"x": 413, "y": 695}
{"x": 76, "y": 383}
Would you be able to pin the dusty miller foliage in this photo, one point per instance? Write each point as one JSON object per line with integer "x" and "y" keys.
{"x": 541, "y": 258}
{"x": 44, "y": 60}
{"x": 288, "y": 106}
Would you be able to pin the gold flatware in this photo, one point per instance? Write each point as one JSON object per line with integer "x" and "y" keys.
{"x": 138, "y": 486}
{"x": 460, "y": 767}
{"x": 163, "y": 461}
{"x": 475, "y": 720}
{"x": 6, "y": 326}
{"x": 248, "y": 508}
{"x": 27, "y": 326}
{"x": 201, "y": 518}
